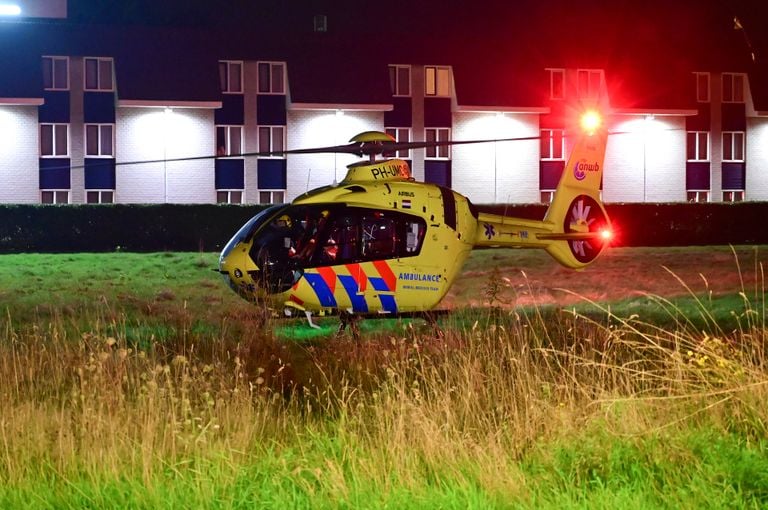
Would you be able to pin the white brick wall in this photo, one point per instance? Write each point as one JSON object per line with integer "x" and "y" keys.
{"x": 651, "y": 152}
{"x": 152, "y": 134}
{"x": 19, "y": 167}
{"x": 501, "y": 171}
{"x": 645, "y": 160}
{"x": 757, "y": 159}
{"x": 320, "y": 128}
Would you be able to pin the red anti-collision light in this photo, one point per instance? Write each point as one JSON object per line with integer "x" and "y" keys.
{"x": 590, "y": 121}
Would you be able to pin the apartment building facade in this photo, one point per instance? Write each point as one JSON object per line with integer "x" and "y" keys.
{"x": 163, "y": 116}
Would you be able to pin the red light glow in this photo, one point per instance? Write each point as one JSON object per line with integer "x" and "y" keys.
{"x": 590, "y": 121}
{"x": 606, "y": 235}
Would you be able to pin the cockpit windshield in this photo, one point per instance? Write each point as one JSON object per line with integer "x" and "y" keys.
{"x": 249, "y": 228}
{"x": 303, "y": 236}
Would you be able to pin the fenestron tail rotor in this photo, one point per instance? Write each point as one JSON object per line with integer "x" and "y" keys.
{"x": 586, "y": 217}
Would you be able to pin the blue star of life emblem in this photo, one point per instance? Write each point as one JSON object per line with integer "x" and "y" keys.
{"x": 489, "y": 231}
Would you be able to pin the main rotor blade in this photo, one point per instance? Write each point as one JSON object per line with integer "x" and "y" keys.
{"x": 398, "y": 146}
{"x": 350, "y": 148}
{"x": 356, "y": 148}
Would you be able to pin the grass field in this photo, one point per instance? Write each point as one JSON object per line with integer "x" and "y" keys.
{"x": 141, "y": 381}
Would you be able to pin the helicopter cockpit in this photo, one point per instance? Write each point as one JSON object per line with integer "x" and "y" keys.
{"x": 286, "y": 240}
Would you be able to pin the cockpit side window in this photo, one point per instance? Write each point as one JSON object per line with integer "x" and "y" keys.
{"x": 329, "y": 234}
{"x": 379, "y": 237}
{"x": 342, "y": 243}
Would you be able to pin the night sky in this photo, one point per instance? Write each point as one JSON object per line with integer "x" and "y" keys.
{"x": 455, "y": 18}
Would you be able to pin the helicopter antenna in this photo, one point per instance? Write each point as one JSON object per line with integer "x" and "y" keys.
{"x": 309, "y": 176}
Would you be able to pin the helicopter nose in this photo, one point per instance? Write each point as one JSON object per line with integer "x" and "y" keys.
{"x": 237, "y": 269}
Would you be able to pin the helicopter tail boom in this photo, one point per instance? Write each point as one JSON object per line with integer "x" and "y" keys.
{"x": 575, "y": 228}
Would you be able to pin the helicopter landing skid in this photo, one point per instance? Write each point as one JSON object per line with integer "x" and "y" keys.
{"x": 309, "y": 320}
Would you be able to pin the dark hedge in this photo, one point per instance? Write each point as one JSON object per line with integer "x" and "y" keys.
{"x": 74, "y": 228}
{"x": 141, "y": 228}
{"x": 678, "y": 224}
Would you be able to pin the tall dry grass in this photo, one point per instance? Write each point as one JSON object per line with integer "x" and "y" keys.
{"x": 400, "y": 408}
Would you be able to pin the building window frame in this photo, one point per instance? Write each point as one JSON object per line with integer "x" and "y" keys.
{"x": 437, "y": 81}
{"x": 733, "y": 195}
{"x": 101, "y": 134}
{"x": 271, "y": 77}
{"x": 55, "y": 142}
{"x": 104, "y": 72}
{"x": 703, "y": 87}
{"x": 230, "y": 196}
{"x": 271, "y": 139}
{"x": 694, "y": 141}
{"x": 551, "y": 137}
{"x": 227, "y": 83}
{"x": 99, "y": 196}
{"x": 54, "y": 196}
{"x": 733, "y": 146}
{"x": 556, "y": 83}
{"x": 51, "y": 73}
{"x": 400, "y": 80}
{"x": 589, "y": 83}
{"x": 272, "y": 196}
{"x": 400, "y": 134}
{"x": 229, "y": 140}
{"x": 320, "y": 23}
{"x": 733, "y": 87}
{"x": 437, "y": 135}
{"x": 697, "y": 195}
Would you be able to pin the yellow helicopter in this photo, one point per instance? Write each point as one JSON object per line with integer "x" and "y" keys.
{"x": 379, "y": 242}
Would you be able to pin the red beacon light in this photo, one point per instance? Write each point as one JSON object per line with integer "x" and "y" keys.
{"x": 590, "y": 121}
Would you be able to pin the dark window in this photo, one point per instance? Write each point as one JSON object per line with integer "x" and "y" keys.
{"x": 54, "y": 139}
{"x": 229, "y": 197}
{"x": 551, "y": 144}
{"x": 98, "y": 74}
{"x": 733, "y": 146}
{"x": 54, "y": 197}
{"x": 556, "y": 83}
{"x": 229, "y": 140}
{"x": 271, "y": 77}
{"x": 400, "y": 135}
{"x": 400, "y": 80}
{"x": 231, "y": 76}
{"x": 99, "y": 197}
{"x": 272, "y": 139}
{"x": 698, "y": 146}
{"x": 55, "y": 73}
{"x": 438, "y": 135}
{"x": 733, "y": 88}
{"x": 702, "y": 87}
{"x": 99, "y": 140}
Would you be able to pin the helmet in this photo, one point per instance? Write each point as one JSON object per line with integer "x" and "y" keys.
{"x": 283, "y": 221}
